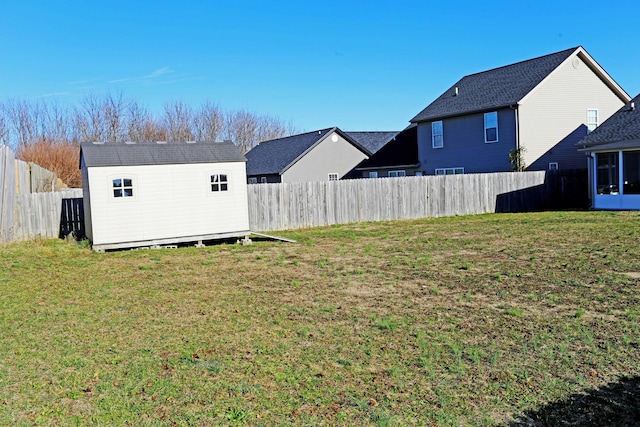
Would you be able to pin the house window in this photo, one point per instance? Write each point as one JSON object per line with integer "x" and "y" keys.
{"x": 491, "y": 127}
{"x": 449, "y": 171}
{"x": 333, "y": 177}
{"x": 263, "y": 180}
{"x": 631, "y": 172}
{"x": 373, "y": 174}
{"x": 437, "y": 137}
{"x": 607, "y": 164}
{"x": 122, "y": 187}
{"x": 553, "y": 165}
{"x": 395, "y": 174}
{"x": 219, "y": 182}
{"x": 592, "y": 119}
{"x": 253, "y": 180}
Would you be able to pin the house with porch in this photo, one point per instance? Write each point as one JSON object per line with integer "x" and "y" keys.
{"x": 613, "y": 153}
{"x": 534, "y": 111}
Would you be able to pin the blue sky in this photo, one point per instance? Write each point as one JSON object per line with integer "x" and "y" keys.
{"x": 359, "y": 65}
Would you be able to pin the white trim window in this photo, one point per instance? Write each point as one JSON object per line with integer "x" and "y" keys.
{"x": 122, "y": 187}
{"x": 449, "y": 171}
{"x": 437, "y": 134}
{"x": 333, "y": 177}
{"x": 219, "y": 182}
{"x": 491, "y": 127}
{"x": 253, "y": 180}
{"x": 263, "y": 180}
{"x": 396, "y": 174}
{"x": 373, "y": 174}
{"x": 553, "y": 166}
{"x": 592, "y": 119}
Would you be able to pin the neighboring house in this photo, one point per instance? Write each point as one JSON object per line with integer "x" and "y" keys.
{"x": 398, "y": 157}
{"x": 145, "y": 194}
{"x": 613, "y": 150}
{"x": 542, "y": 106}
{"x": 322, "y": 155}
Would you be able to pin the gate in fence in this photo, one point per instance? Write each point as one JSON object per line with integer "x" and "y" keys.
{"x": 72, "y": 218}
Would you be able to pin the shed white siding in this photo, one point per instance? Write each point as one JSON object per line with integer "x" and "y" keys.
{"x": 171, "y": 202}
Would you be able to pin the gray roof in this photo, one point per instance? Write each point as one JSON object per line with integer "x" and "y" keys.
{"x": 493, "y": 89}
{"x": 372, "y": 141}
{"x": 275, "y": 156}
{"x": 154, "y": 153}
{"x": 620, "y": 131}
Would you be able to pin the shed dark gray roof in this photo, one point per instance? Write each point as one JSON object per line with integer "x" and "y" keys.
{"x": 620, "y": 131}
{"x": 153, "y": 153}
{"x": 372, "y": 141}
{"x": 493, "y": 89}
{"x": 276, "y": 155}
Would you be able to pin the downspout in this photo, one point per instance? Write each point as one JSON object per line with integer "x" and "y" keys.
{"x": 591, "y": 164}
{"x": 514, "y": 107}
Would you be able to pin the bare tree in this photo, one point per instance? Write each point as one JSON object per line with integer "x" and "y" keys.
{"x": 208, "y": 122}
{"x": 178, "y": 118}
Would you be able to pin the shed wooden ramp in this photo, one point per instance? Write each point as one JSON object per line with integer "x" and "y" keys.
{"x": 268, "y": 236}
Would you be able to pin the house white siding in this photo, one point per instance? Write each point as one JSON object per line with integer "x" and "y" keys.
{"x": 171, "y": 201}
{"x": 328, "y": 156}
{"x": 553, "y": 116}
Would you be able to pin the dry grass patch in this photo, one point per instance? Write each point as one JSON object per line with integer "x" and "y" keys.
{"x": 452, "y": 321}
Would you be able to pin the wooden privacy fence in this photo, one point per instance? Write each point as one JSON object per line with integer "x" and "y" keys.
{"x": 29, "y": 207}
{"x": 310, "y": 204}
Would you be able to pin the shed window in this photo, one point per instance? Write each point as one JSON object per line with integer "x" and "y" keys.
{"x": 122, "y": 187}
{"x": 219, "y": 182}
{"x": 437, "y": 136}
{"x": 491, "y": 127}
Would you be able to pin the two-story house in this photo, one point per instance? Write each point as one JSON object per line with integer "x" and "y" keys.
{"x": 532, "y": 113}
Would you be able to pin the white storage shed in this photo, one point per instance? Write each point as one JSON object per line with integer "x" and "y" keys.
{"x": 153, "y": 194}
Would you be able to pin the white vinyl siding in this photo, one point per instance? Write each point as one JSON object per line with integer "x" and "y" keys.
{"x": 437, "y": 135}
{"x": 491, "y": 127}
{"x": 169, "y": 201}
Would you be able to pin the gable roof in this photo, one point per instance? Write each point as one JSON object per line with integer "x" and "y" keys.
{"x": 505, "y": 86}
{"x": 158, "y": 153}
{"x": 620, "y": 131}
{"x": 402, "y": 150}
{"x": 372, "y": 141}
{"x": 277, "y": 155}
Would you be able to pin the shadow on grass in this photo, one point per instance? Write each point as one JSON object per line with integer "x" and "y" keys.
{"x": 614, "y": 405}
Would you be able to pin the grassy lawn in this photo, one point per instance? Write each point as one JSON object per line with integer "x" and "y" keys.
{"x": 450, "y": 321}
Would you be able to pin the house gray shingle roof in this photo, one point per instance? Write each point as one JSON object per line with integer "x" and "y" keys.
{"x": 493, "y": 89}
{"x": 621, "y": 130}
{"x": 372, "y": 141}
{"x": 276, "y": 155}
{"x": 153, "y": 153}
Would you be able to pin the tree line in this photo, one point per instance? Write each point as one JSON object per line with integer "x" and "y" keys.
{"x": 43, "y": 129}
